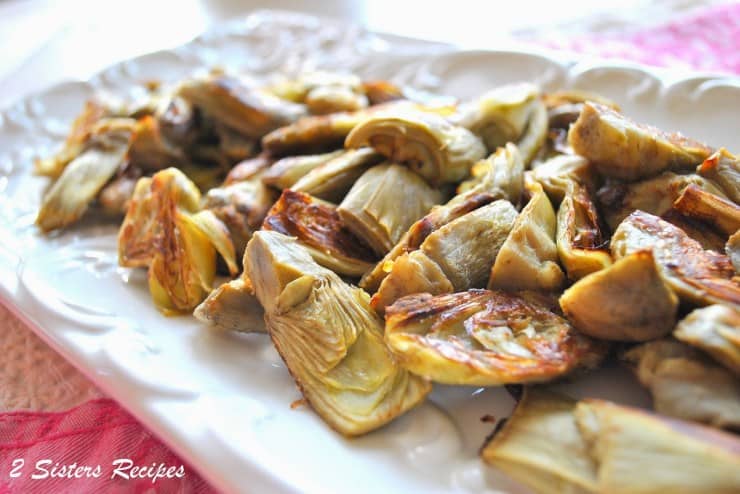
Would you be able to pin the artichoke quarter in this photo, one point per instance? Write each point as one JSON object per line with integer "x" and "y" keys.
{"x": 457, "y": 256}
{"x": 485, "y": 338}
{"x": 499, "y": 115}
{"x": 720, "y": 213}
{"x": 329, "y": 337}
{"x": 686, "y": 384}
{"x": 84, "y": 176}
{"x": 528, "y": 258}
{"x": 627, "y": 301}
{"x": 623, "y": 149}
{"x": 333, "y": 179}
{"x": 384, "y": 202}
{"x": 554, "y": 444}
{"x": 320, "y": 230}
{"x": 715, "y": 330}
{"x": 697, "y": 276}
{"x": 579, "y": 237}
{"x": 723, "y": 169}
{"x": 248, "y": 111}
{"x": 436, "y": 149}
{"x": 165, "y": 231}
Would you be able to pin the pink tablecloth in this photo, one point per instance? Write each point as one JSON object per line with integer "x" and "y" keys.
{"x": 99, "y": 432}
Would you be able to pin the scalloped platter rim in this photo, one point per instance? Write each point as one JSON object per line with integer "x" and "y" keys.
{"x": 222, "y": 401}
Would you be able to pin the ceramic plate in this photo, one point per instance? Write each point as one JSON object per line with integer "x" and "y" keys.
{"x": 222, "y": 401}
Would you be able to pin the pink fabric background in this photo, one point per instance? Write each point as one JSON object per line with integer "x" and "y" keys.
{"x": 99, "y": 431}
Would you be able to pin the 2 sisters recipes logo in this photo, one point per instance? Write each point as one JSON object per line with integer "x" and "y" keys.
{"x": 121, "y": 468}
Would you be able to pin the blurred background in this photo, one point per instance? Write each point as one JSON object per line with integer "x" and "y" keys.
{"x": 47, "y": 41}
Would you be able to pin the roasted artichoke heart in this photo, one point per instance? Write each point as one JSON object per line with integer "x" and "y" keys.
{"x": 332, "y": 180}
{"x": 686, "y": 384}
{"x": 697, "y": 276}
{"x": 284, "y": 173}
{"x": 627, "y": 301}
{"x": 556, "y": 173}
{"x": 85, "y": 175}
{"x": 709, "y": 208}
{"x": 164, "y": 231}
{"x": 463, "y": 251}
{"x": 535, "y": 136}
{"x": 80, "y": 133}
{"x": 485, "y": 338}
{"x": 319, "y": 228}
{"x": 528, "y": 259}
{"x": 419, "y": 231}
{"x": 621, "y": 148}
{"x": 579, "y": 236}
{"x": 375, "y": 211}
{"x": 554, "y": 444}
{"x": 329, "y": 337}
{"x": 315, "y": 134}
{"x": 248, "y": 111}
{"x": 499, "y": 115}
{"x": 430, "y": 145}
{"x": 715, "y": 330}
{"x": 564, "y": 107}
{"x": 241, "y": 206}
{"x": 723, "y": 169}
{"x": 502, "y": 173}
{"x": 654, "y": 195}
{"x": 232, "y": 307}
{"x": 324, "y": 92}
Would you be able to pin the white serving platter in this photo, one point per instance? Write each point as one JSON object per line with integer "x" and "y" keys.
{"x": 222, "y": 401}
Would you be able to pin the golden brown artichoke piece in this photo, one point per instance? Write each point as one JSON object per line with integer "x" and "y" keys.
{"x": 723, "y": 169}
{"x": 499, "y": 115}
{"x": 319, "y": 228}
{"x": 165, "y": 231}
{"x": 419, "y": 231}
{"x": 685, "y": 384}
{"x": 503, "y": 180}
{"x": 528, "y": 259}
{"x": 485, "y": 338}
{"x": 248, "y": 111}
{"x": 627, "y": 301}
{"x": 463, "y": 251}
{"x": 697, "y": 276}
{"x": 284, "y": 173}
{"x": 324, "y": 92}
{"x": 564, "y": 107}
{"x": 150, "y": 150}
{"x": 534, "y": 138}
{"x": 384, "y": 202}
{"x": 623, "y": 149}
{"x": 709, "y": 208}
{"x": 556, "y": 173}
{"x": 654, "y": 195}
{"x": 232, "y": 307}
{"x": 466, "y": 247}
{"x": 430, "y": 145}
{"x": 86, "y": 174}
{"x": 319, "y": 133}
{"x": 412, "y": 273}
{"x": 241, "y": 206}
{"x": 81, "y": 131}
{"x": 332, "y": 180}
{"x": 540, "y": 446}
{"x": 329, "y": 337}
{"x": 554, "y": 444}
{"x": 501, "y": 173}
{"x": 579, "y": 236}
{"x": 715, "y": 330}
